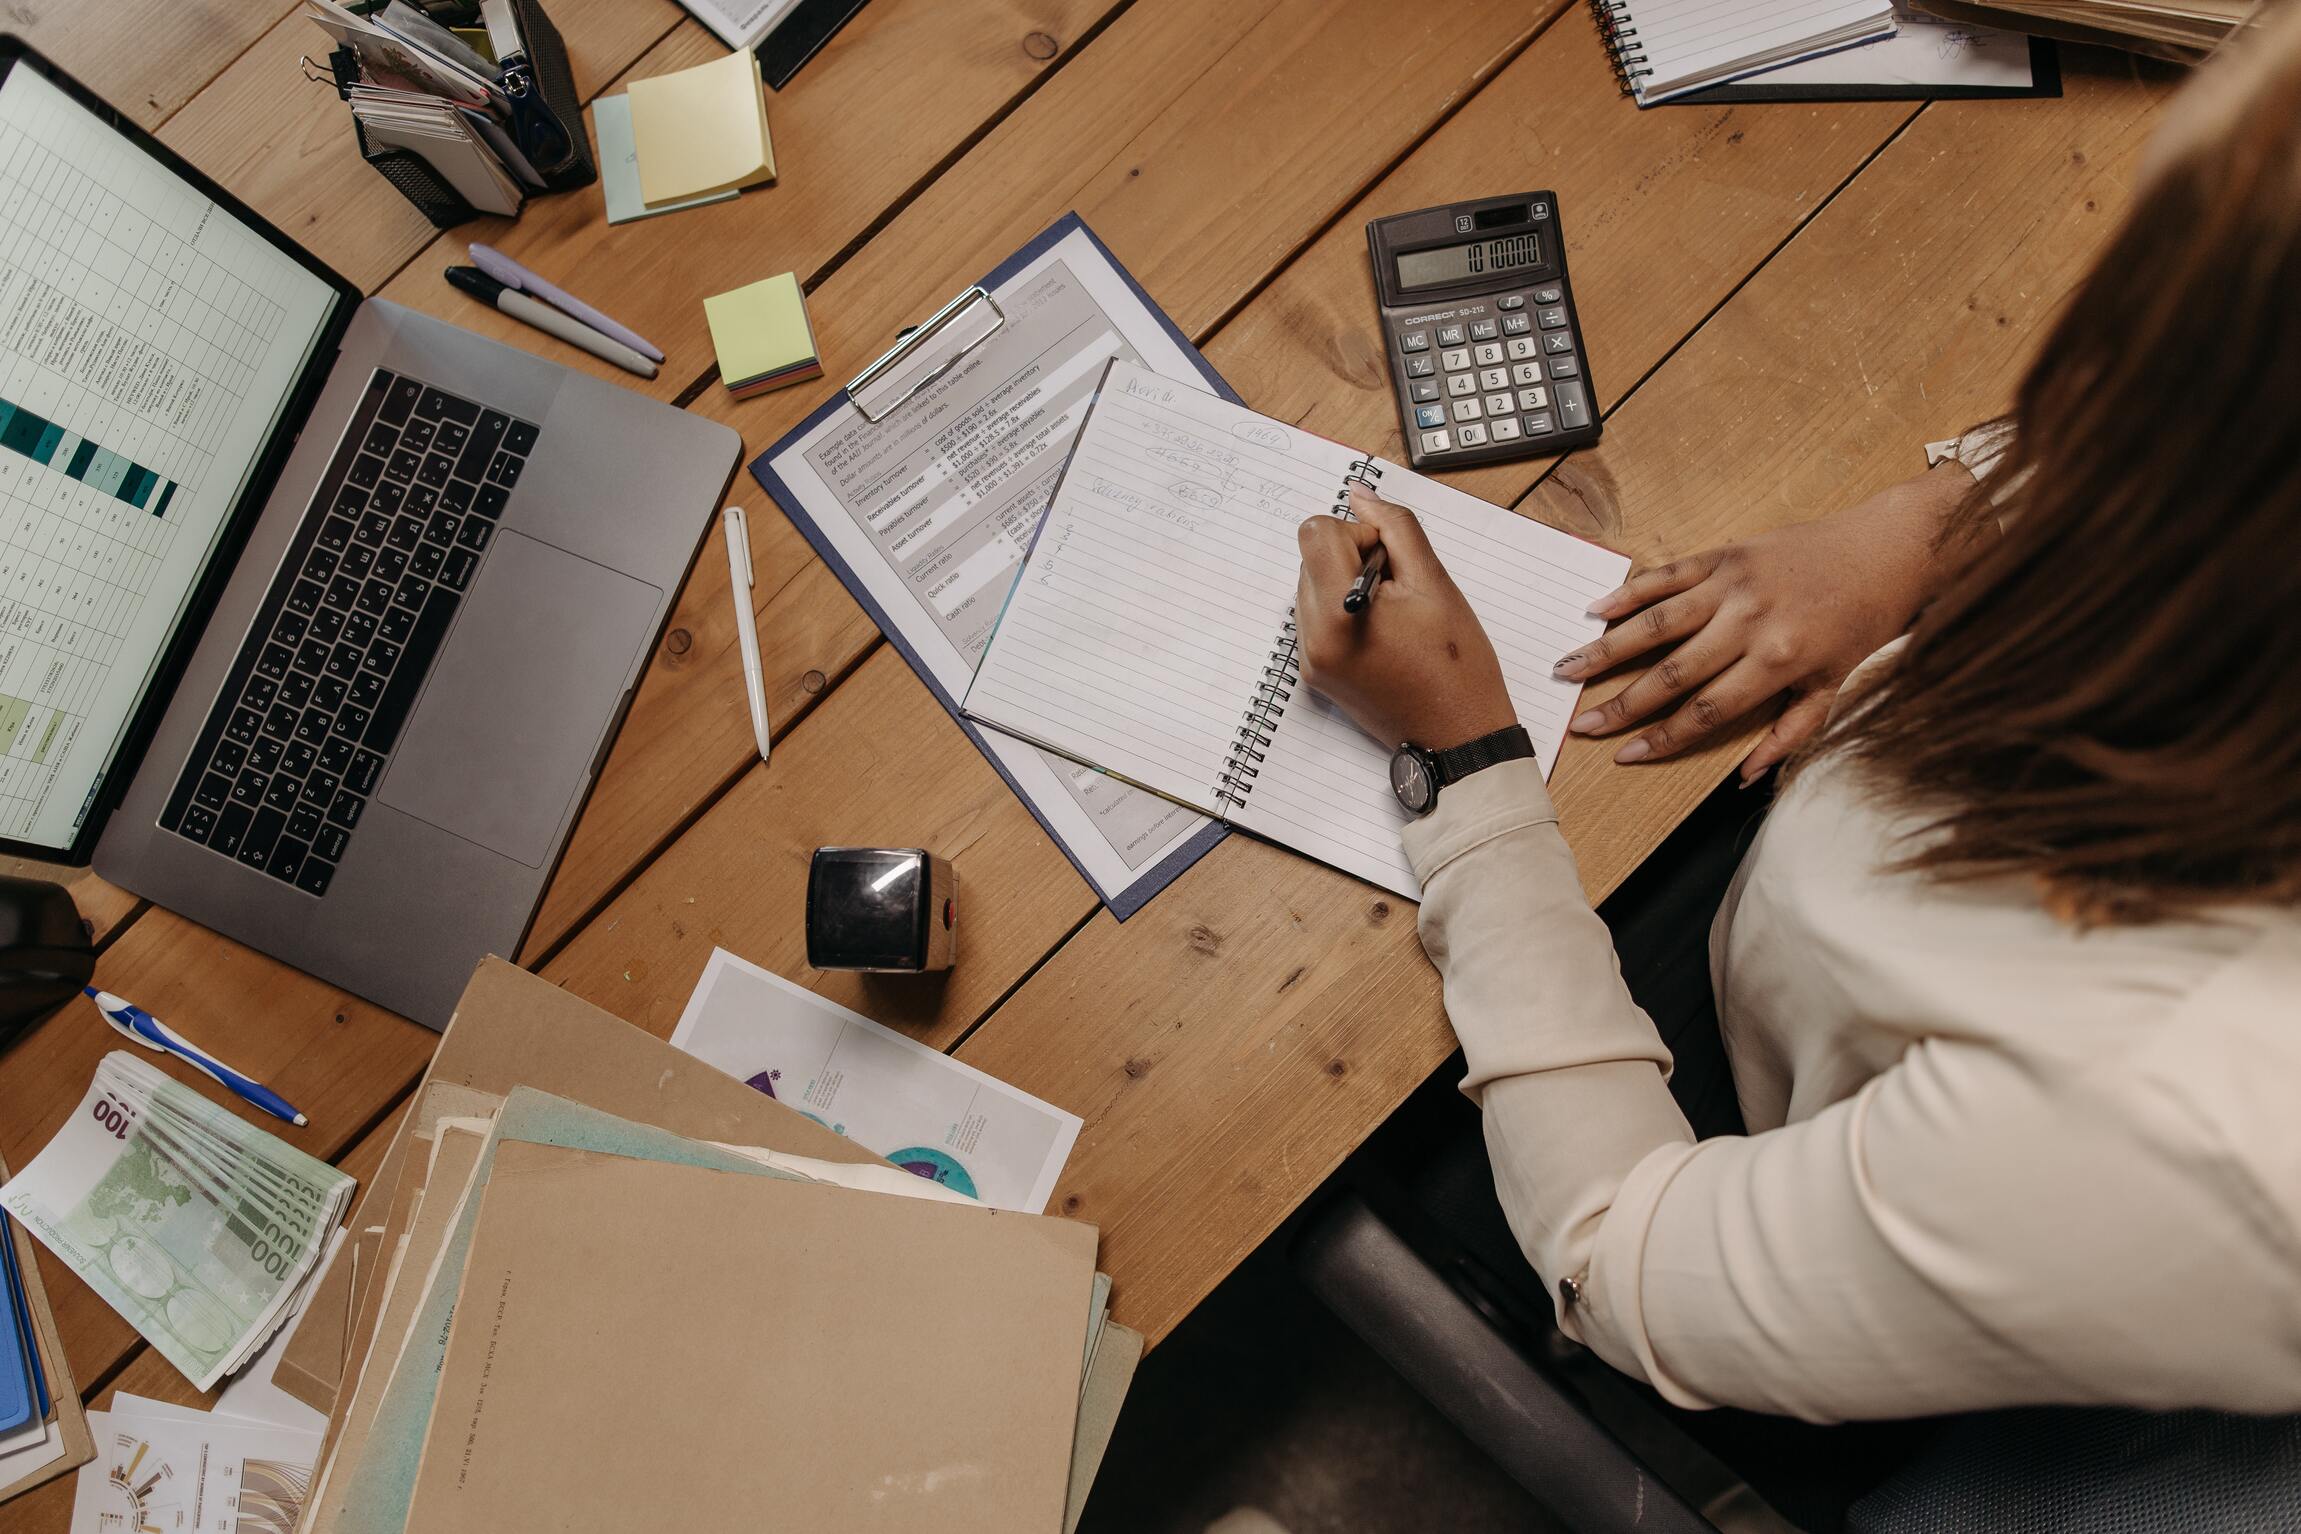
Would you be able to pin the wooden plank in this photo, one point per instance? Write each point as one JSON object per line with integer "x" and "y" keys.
{"x": 858, "y": 772}
{"x": 953, "y": 69}
{"x": 146, "y": 57}
{"x": 1176, "y": 96}
{"x": 151, "y": 1376}
{"x": 286, "y": 148}
{"x": 1903, "y": 311}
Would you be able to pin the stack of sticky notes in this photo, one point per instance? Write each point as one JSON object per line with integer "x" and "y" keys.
{"x": 762, "y": 336}
{"x": 699, "y": 134}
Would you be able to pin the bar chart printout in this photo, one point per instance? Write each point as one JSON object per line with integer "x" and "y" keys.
{"x": 148, "y": 342}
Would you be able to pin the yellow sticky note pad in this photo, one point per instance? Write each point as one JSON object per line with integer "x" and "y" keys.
{"x": 762, "y": 335}
{"x": 703, "y": 130}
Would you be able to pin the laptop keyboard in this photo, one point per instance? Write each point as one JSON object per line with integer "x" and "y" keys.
{"x": 338, "y": 653}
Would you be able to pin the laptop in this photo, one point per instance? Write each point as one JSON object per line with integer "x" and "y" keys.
{"x": 317, "y": 615}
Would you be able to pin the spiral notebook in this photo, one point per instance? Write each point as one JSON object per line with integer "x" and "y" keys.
{"x": 1151, "y": 631}
{"x": 1666, "y": 48}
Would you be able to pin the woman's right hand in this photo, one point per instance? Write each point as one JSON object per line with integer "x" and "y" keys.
{"x": 1791, "y": 611}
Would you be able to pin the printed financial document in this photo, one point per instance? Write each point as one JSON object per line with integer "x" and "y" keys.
{"x": 919, "y": 1108}
{"x": 930, "y": 511}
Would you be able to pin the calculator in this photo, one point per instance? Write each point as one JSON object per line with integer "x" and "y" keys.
{"x": 1486, "y": 355}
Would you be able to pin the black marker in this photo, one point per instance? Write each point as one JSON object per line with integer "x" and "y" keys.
{"x": 1361, "y": 592}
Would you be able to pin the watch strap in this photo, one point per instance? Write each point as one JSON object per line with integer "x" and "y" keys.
{"x": 1458, "y": 762}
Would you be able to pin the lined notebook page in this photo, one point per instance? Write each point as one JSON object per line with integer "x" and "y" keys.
{"x": 1158, "y": 585}
{"x": 1325, "y": 788}
{"x": 1689, "y": 44}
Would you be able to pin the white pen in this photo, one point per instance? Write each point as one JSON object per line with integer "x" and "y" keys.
{"x": 746, "y": 627}
{"x": 533, "y": 311}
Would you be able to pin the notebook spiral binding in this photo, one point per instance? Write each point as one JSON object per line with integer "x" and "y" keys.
{"x": 1258, "y": 724}
{"x": 1617, "y": 30}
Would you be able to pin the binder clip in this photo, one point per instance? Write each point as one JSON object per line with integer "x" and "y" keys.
{"x": 925, "y": 353}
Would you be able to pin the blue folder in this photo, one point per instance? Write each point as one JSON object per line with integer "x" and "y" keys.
{"x": 23, "y": 1386}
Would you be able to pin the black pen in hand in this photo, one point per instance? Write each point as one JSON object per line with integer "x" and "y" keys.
{"x": 1361, "y": 592}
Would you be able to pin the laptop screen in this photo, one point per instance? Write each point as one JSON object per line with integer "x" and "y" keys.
{"x": 149, "y": 342}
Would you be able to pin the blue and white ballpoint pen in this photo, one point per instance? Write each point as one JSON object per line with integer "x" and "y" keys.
{"x": 149, "y": 1031}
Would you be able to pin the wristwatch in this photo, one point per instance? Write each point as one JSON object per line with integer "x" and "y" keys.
{"x": 1417, "y": 775}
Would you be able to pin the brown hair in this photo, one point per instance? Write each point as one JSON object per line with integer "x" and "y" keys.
{"x": 2109, "y": 697}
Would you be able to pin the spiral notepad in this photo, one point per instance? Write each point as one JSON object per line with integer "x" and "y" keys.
{"x": 1151, "y": 631}
{"x": 1665, "y": 48}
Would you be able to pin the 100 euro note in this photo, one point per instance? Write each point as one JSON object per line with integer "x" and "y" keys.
{"x": 196, "y": 1226}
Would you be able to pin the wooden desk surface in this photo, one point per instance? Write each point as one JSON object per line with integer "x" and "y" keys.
{"x": 1782, "y": 303}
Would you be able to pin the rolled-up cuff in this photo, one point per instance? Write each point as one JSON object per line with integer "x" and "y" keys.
{"x": 1506, "y": 797}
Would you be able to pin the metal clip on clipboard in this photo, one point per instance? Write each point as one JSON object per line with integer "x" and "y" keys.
{"x": 925, "y": 354}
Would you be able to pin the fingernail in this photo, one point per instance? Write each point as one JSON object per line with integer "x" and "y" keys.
{"x": 1635, "y": 751}
{"x": 1586, "y": 722}
{"x": 1601, "y": 608}
{"x": 1565, "y": 664}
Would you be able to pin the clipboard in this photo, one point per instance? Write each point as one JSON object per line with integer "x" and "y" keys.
{"x": 917, "y": 359}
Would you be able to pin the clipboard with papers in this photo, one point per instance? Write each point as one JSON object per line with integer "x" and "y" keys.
{"x": 922, "y": 483}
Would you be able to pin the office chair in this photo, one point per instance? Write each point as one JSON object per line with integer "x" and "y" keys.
{"x": 1409, "y": 1249}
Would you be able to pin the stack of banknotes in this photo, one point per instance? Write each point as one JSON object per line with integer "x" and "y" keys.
{"x": 198, "y": 1227}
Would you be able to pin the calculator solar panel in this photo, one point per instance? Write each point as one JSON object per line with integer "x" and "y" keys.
{"x": 1486, "y": 353}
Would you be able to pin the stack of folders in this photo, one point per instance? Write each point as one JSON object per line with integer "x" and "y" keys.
{"x": 601, "y": 1286}
{"x": 43, "y": 1432}
{"x": 427, "y": 89}
{"x": 2183, "y": 29}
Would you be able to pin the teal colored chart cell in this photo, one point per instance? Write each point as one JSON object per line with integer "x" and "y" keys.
{"x": 43, "y": 441}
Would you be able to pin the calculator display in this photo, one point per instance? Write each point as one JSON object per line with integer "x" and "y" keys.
{"x": 1460, "y": 263}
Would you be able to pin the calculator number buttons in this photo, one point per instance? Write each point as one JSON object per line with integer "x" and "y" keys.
{"x": 1494, "y": 378}
{"x": 1534, "y": 399}
{"x": 1497, "y": 404}
{"x": 1436, "y": 442}
{"x": 1461, "y": 384}
{"x": 1467, "y": 410}
{"x": 1504, "y": 428}
{"x": 1455, "y": 360}
{"x": 1488, "y": 354}
{"x": 1471, "y": 436}
{"x": 1414, "y": 341}
{"x": 1527, "y": 373}
{"x": 1521, "y": 347}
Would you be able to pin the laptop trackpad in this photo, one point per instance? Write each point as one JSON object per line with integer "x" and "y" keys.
{"x": 505, "y": 732}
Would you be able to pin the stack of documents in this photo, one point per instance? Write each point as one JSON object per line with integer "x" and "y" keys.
{"x": 423, "y": 89}
{"x": 2183, "y": 29}
{"x": 200, "y": 1229}
{"x": 601, "y": 1286}
{"x": 763, "y": 337}
{"x": 42, "y": 1430}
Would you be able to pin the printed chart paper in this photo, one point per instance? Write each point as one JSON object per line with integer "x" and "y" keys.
{"x": 922, "y": 1110}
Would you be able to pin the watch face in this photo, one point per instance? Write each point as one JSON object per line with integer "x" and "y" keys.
{"x": 1410, "y": 781}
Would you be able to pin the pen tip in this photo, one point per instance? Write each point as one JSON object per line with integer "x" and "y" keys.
{"x": 301, "y": 1121}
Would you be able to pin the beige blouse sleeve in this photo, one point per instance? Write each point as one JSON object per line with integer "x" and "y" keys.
{"x": 1942, "y": 1240}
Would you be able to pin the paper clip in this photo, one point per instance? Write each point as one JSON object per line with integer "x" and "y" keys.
{"x": 925, "y": 354}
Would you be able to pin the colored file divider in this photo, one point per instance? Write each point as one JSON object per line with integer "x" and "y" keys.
{"x": 43, "y": 441}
